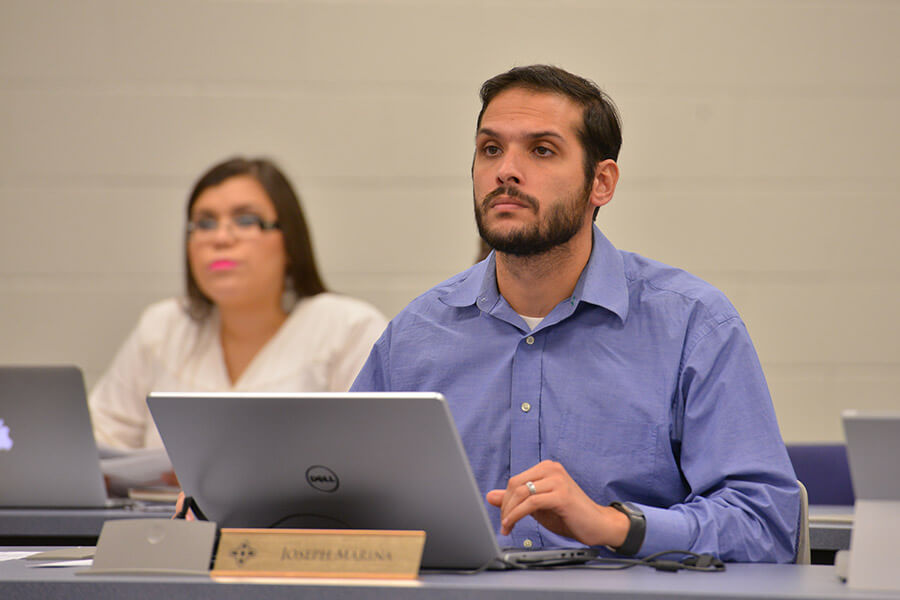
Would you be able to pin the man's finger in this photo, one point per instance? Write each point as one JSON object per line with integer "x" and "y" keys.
{"x": 530, "y": 505}
{"x": 495, "y": 497}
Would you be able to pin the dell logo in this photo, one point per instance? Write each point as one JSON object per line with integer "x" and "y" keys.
{"x": 6, "y": 442}
{"x": 322, "y": 478}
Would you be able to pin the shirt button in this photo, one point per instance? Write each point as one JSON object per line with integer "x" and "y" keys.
{"x": 526, "y": 407}
{"x": 529, "y": 340}
{"x": 527, "y": 543}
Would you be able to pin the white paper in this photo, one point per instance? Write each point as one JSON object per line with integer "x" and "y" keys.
{"x": 15, "y": 555}
{"x": 134, "y": 468}
{"x": 83, "y": 562}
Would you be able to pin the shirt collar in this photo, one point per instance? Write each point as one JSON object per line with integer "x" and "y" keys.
{"x": 602, "y": 282}
{"x": 478, "y": 286}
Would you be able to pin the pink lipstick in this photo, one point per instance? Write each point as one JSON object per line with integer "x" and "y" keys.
{"x": 222, "y": 265}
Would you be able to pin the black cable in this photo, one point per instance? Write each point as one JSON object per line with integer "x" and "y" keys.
{"x": 190, "y": 504}
{"x": 336, "y": 523}
{"x": 480, "y": 569}
{"x": 706, "y": 563}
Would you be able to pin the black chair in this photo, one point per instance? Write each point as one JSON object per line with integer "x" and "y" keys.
{"x": 824, "y": 470}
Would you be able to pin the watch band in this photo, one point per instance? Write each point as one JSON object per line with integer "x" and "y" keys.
{"x": 637, "y": 528}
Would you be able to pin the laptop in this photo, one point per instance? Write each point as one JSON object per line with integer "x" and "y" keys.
{"x": 873, "y": 447}
{"x": 48, "y": 457}
{"x": 336, "y": 461}
{"x": 873, "y": 450}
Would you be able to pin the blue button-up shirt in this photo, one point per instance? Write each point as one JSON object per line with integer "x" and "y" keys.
{"x": 644, "y": 385}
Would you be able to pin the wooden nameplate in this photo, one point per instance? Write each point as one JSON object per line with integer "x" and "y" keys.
{"x": 375, "y": 554}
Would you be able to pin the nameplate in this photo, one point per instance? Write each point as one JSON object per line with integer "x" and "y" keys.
{"x": 319, "y": 553}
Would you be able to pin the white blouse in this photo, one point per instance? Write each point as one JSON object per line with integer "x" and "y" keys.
{"x": 321, "y": 347}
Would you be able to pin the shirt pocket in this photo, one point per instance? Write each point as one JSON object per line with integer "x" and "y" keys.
{"x": 610, "y": 458}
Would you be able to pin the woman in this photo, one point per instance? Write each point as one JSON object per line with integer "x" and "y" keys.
{"x": 256, "y": 317}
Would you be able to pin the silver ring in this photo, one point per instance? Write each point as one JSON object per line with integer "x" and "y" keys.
{"x": 531, "y": 489}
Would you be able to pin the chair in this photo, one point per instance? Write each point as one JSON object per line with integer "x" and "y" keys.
{"x": 825, "y": 471}
{"x": 804, "y": 554}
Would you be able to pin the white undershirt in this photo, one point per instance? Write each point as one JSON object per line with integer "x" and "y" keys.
{"x": 532, "y": 322}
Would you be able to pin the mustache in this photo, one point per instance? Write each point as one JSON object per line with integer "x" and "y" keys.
{"x": 512, "y": 192}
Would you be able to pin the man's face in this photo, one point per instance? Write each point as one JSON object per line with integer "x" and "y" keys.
{"x": 528, "y": 176}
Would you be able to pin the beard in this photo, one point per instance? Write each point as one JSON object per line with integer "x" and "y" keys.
{"x": 562, "y": 222}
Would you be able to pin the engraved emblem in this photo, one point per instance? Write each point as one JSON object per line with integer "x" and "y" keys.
{"x": 243, "y": 553}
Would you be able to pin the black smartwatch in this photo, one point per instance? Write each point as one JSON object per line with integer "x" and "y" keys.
{"x": 637, "y": 527}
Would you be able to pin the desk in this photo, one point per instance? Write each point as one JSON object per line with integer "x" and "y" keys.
{"x": 829, "y": 527}
{"x": 20, "y": 580}
{"x": 65, "y": 527}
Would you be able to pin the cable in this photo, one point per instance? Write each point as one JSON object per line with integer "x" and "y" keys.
{"x": 706, "y": 563}
{"x": 190, "y": 504}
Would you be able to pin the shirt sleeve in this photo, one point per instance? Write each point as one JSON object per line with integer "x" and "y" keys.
{"x": 744, "y": 501}
{"x": 118, "y": 400}
{"x": 375, "y": 373}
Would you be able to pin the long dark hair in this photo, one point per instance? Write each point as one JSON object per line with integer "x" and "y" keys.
{"x": 302, "y": 273}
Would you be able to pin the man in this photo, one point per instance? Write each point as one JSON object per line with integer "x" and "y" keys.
{"x": 581, "y": 376}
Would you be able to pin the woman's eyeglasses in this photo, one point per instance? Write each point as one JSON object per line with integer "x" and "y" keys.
{"x": 242, "y": 227}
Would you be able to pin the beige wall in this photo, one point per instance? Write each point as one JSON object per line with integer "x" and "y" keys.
{"x": 761, "y": 152}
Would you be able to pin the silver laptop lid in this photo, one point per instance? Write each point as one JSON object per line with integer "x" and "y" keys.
{"x": 48, "y": 457}
{"x": 352, "y": 460}
{"x": 873, "y": 450}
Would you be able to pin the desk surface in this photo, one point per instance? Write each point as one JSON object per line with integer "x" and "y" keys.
{"x": 57, "y": 526}
{"x": 40, "y": 526}
{"x": 21, "y": 579}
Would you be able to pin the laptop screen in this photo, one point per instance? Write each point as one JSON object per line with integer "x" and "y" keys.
{"x": 873, "y": 448}
{"x": 48, "y": 457}
{"x": 351, "y": 460}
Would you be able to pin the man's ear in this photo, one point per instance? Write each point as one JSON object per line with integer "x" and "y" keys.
{"x": 603, "y": 186}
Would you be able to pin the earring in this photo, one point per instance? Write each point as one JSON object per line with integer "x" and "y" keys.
{"x": 289, "y": 295}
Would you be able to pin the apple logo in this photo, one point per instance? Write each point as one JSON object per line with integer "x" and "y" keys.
{"x": 6, "y": 442}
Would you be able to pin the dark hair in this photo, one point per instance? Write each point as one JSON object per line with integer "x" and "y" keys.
{"x": 301, "y": 264}
{"x": 600, "y": 133}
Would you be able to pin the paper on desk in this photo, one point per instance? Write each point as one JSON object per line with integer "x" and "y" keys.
{"x": 15, "y": 555}
{"x": 134, "y": 468}
{"x": 84, "y": 562}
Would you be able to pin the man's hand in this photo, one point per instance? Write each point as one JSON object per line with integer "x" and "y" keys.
{"x": 560, "y": 505}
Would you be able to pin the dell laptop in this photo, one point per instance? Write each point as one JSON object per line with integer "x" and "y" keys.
{"x": 336, "y": 461}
